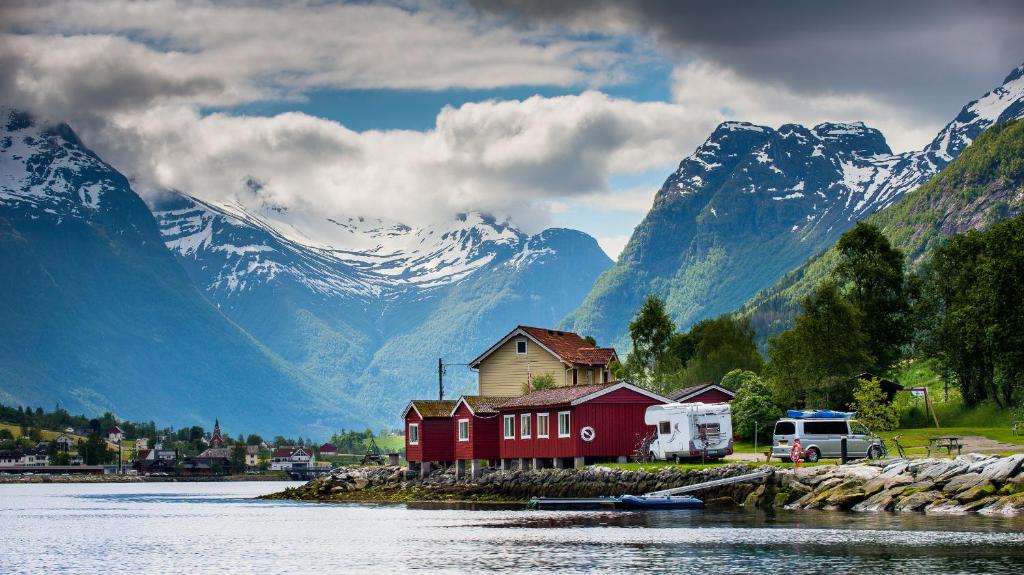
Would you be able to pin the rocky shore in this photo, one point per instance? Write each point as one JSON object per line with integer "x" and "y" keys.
{"x": 967, "y": 483}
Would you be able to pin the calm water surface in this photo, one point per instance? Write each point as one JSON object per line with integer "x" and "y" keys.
{"x": 219, "y": 528}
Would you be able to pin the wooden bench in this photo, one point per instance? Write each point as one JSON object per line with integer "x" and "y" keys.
{"x": 945, "y": 443}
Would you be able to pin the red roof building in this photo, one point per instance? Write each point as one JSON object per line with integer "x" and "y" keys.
{"x": 328, "y": 449}
{"x": 704, "y": 393}
{"x": 581, "y": 424}
{"x": 428, "y": 432}
{"x": 477, "y": 428}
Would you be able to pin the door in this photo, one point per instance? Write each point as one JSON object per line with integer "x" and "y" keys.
{"x": 826, "y": 435}
{"x": 860, "y": 440}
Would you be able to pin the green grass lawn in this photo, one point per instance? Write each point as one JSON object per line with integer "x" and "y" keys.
{"x": 389, "y": 443}
{"x": 654, "y": 467}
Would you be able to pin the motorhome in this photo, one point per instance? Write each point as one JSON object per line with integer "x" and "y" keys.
{"x": 690, "y": 430}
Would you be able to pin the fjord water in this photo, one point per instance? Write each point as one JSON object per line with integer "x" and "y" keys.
{"x": 219, "y": 528}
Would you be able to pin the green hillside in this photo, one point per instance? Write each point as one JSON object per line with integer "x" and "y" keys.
{"x": 983, "y": 186}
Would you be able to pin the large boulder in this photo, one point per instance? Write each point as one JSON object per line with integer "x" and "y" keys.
{"x": 1003, "y": 468}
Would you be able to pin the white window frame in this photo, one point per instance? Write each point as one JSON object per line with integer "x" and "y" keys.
{"x": 522, "y": 340}
{"x": 461, "y": 421}
{"x": 505, "y": 421}
{"x": 414, "y": 440}
{"x": 543, "y": 431}
{"x": 568, "y": 424}
{"x": 525, "y": 425}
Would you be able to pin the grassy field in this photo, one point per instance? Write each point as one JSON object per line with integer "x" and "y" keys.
{"x": 47, "y": 434}
{"x": 389, "y": 443}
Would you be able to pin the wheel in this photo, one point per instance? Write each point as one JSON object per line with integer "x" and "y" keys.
{"x": 812, "y": 455}
{"x": 874, "y": 452}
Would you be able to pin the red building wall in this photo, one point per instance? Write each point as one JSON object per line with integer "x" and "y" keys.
{"x": 435, "y": 439}
{"x": 709, "y": 396}
{"x": 617, "y": 419}
{"x": 483, "y": 435}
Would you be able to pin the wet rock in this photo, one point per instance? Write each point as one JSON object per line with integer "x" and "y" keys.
{"x": 964, "y": 482}
{"x": 974, "y": 493}
{"x": 916, "y": 501}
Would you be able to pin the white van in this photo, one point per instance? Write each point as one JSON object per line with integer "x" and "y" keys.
{"x": 821, "y": 436}
{"x": 690, "y": 430}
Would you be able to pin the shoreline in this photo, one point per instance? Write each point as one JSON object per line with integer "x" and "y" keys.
{"x": 18, "y": 479}
{"x": 969, "y": 483}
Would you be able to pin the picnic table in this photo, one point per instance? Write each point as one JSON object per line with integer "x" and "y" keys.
{"x": 948, "y": 443}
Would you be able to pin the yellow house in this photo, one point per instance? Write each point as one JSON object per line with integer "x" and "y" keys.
{"x": 565, "y": 356}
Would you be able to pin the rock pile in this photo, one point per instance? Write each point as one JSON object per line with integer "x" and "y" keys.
{"x": 967, "y": 483}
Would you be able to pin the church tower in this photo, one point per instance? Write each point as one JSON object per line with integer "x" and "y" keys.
{"x": 216, "y": 440}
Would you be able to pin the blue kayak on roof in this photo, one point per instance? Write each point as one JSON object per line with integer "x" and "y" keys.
{"x": 671, "y": 502}
{"x": 819, "y": 414}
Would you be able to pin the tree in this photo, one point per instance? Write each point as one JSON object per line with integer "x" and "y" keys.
{"x": 650, "y": 331}
{"x": 812, "y": 363}
{"x": 94, "y": 451}
{"x": 253, "y": 439}
{"x": 754, "y": 406}
{"x": 872, "y": 407}
{"x": 238, "y": 458}
{"x": 870, "y": 271}
{"x": 542, "y": 381}
{"x": 720, "y": 345}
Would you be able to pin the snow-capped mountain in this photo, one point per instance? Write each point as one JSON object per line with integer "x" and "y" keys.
{"x": 97, "y": 314}
{"x": 349, "y": 300}
{"x": 753, "y": 202}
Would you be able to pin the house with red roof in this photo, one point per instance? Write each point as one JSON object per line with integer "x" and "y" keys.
{"x": 527, "y": 352}
{"x": 574, "y": 426}
{"x": 328, "y": 449}
{"x": 476, "y": 423}
{"x": 114, "y": 434}
{"x": 428, "y": 433}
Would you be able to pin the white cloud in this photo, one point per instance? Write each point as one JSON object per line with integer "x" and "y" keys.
{"x": 613, "y": 245}
{"x": 509, "y": 158}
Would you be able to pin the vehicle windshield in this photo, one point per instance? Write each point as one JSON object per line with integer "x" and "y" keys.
{"x": 858, "y": 428}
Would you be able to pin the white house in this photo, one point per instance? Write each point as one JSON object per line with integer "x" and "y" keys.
{"x": 115, "y": 435}
{"x": 291, "y": 457}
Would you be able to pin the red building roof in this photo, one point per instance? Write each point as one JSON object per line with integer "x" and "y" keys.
{"x": 573, "y": 395}
{"x": 328, "y": 448}
{"x": 565, "y": 345}
{"x": 692, "y": 391}
{"x": 480, "y": 404}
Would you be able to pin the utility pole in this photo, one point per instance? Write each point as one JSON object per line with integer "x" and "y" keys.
{"x": 440, "y": 379}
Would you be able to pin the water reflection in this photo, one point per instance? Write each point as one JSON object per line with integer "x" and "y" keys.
{"x": 205, "y": 528}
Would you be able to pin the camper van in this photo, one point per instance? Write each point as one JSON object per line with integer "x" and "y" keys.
{"x": 821, "y": 433}
{"x": 690, "y": 430}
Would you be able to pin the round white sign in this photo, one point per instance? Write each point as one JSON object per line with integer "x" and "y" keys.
{"x": 587, "y": 433}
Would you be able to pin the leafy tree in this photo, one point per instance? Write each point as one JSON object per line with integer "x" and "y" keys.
{"x": 60, "y": 458}
{"x": 650, "y": 331}
{"x": 873, "y": 410}
{"x": 238, "y": 458}
{"x": 754, "y": 405}
{"x": 253, "y": 439}
{"x": 542, "y": 381}
{"x": 94, "y": 451}
{"x": 721, "y": 345}
{"x": 812, "y": 363}
{"x": 871, "y": 270}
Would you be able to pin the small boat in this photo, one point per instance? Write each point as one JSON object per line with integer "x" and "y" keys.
{"x": 665, "y": 502}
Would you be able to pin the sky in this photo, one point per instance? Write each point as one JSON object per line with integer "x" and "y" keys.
{"x": 568, "y": 113}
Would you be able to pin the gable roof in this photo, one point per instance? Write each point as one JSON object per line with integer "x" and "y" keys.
{"x": 290, "y": 451}
{"x": 574, "y": 395}
{"x": 693, "y": 390}
{"x": 480, "y": 404}
{"x": 567, "y": 346}
{"x": 427, "y": 408}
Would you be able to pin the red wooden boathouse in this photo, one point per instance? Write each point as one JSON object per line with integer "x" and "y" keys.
{"x": 428, "y": 432}
{"x": 477, "y": 428}
{"x": 574, "y": 425}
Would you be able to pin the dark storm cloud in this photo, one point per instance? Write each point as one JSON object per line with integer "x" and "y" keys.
{"x": 932, "y": 54}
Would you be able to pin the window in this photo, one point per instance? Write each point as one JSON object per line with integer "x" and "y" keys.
{"x": 575, "y": 376}
{"x": 604, "y": 376}
{"x": 825, "y": 428}
{"x": 510, "y": 427}
{"x": 463, "y": 430}
{"x": 563, "y": 424}
{"x": 665, "y": 428}
{"x": 858, "y": 428}
{"x": 785, "y": 428}
{"x": 542, "y": 425}
{"x": 590, "y": 377}
{"x": 520, "y": 347}
{"x": 524, "y": 426}
{"x": 414, "y": 434}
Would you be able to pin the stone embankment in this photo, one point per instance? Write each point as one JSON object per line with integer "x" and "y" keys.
{"x": 968, "y": 483}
